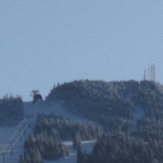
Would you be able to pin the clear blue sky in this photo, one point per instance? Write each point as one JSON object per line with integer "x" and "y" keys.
{"x": 45, "y": 42}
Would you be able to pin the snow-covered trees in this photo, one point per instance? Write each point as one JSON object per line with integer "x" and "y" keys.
{"x": 42, "y": 147}
{"x": 122, "y": 148}
{"x": 76, "y": 141}
{"x": 48, "y": 133}
{"x": 112, "y": 105}
{"x": 66, "y": 129}
{"x": 11, "y": 110}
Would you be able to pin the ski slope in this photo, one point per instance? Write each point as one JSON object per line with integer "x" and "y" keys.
{"x": 12, "y": 138}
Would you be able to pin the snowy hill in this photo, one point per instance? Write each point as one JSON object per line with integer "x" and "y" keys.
{"x": 130, "y": 111}
{"x": 114, "y": 105}
{"x": 10, "y": 137}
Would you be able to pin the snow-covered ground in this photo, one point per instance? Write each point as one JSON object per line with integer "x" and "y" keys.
{"x": 12, "y": 138}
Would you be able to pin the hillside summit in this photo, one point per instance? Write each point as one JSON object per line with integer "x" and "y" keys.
{"x": 104, "y": 101}
{"x": 123, "y": 120}
{"x": 130, "y": 112}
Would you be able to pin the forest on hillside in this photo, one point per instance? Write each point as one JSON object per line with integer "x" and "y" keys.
{"x": 50, "y": 131}
{"x": 131, "y": 113}
{"x": 11, "y": 110}
{"x": 123, "y": 148}
{"x": 110, "y": 103}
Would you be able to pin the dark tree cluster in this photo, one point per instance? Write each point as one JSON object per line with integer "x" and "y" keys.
{"x": 97, "y": 100}
{"x": 122, "y": 148}
{"x": 48, "y": 133}
{"x": 65, "y": 129}
{"x": 42, "y": 148}
{"x": 150, "y": 129}
{"x": 11, "y": 110}
{"x": 149, "y": 95}
{"x": 114, "y": 105}
{"x": 109, "y": 102}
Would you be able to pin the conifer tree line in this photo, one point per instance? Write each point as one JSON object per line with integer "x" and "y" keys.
{"x": 123, "y": 148}
{"x": 11, "y": 110}
{"x": 112, "y": 105}
{"x": 42, "y": 147}
{"x": 49, "y": 131}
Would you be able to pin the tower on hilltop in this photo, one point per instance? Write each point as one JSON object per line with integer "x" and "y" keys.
{"x": 151, "y": 73}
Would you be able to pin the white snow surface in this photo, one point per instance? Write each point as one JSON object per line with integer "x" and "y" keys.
{"x": 13, "y": 138}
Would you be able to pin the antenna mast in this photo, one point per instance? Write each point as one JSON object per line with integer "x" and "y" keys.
{"x": 153, "y": 74}
{"x": 145, "y": 75}
{"x": 150, "y": 73}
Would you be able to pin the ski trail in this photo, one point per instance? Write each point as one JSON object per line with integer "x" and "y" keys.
{"x": 11, "y": 147}
{"x": 12, "y": 139}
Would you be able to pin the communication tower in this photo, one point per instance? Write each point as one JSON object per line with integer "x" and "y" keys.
{"x": 145, "y": 75}
{"x": 151, "y": 73}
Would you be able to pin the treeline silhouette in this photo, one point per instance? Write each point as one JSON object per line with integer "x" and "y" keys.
{"x": 11, "y": 110}
{"x": 63, "y": 129}
{"x": 49, "y": 131}
{"x": 42, "y": 147}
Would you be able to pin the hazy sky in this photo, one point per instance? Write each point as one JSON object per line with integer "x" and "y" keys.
{"x": 43, "y": 42}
